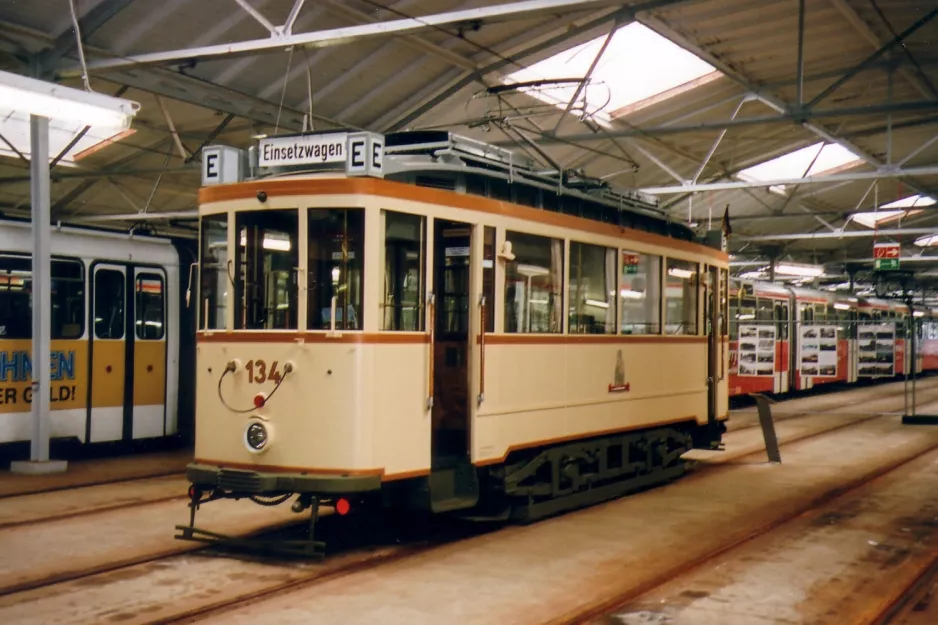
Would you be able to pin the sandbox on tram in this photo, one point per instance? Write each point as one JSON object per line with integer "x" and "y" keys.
{"x": 425, "y": 322}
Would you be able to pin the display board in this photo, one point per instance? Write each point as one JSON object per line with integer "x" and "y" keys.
{"x": 817, "y": 351}
{"x": 756, "y": 350}
{"x": 876, "y": 349}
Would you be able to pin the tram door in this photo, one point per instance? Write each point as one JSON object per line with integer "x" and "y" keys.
{"x": 128, "y": 354}
{"x": 450, "y": 413}
{"x": 108, "y": 353}
{"x": 149, "y": 354}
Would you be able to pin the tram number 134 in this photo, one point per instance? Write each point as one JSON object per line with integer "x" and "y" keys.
{"x": 259, "y": 372}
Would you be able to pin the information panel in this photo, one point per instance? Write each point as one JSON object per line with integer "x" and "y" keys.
{"x": 876, "y": 346}
{"x": 817, "y": 351}
{"x": 756, "y": 350}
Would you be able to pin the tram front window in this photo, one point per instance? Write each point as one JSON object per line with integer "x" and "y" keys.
{"x": 265, "y": 275}
{"x": 335, "y": 265}
{"x": 214, "y": 276}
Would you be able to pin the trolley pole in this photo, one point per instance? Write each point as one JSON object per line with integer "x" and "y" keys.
{"x": 41, "y": 302}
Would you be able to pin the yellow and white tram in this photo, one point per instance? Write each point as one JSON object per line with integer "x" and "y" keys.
{"x": 117, "y": 338}
{"x": 428, "y": 321}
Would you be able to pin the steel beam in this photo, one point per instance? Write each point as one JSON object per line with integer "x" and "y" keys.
{"x": 291, "y": 18}
{"x": 784, "y": 118}
{"x": 745, "y": 184}
{"x": 719, "y": 139}
{"x": 338, "y": 36}
{"x": 898, "y": 39}
{"x": 259, "y": 17}
{"x": 769, "y": 100}
{"x": 194, "y": 214}
{"x": 88, "y": 24}
{"x": 626, "y": 15}
{"x": 340, "y": 6}
{"x": 851, "y": 234}
{"x": 800, "y": 78}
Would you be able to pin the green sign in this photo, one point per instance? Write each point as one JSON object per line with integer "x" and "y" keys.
{"x": 886, "y": 264}
{"x": 629, "y": 269}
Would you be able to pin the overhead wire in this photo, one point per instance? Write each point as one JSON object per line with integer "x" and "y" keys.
{"x": 81, "y": 51}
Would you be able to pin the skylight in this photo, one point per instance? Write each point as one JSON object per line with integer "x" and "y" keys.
{"x": 14, "y": 127}
{"x": 637, "y": 64}
{"x": 892, "y": 211}
{"x": 832, "y": 158}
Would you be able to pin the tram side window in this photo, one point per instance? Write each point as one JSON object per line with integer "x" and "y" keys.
{"x": 405, "y": 251}
{"x": 640, "y": 295}
{"x": 148, "y": 306}
{"x": 67, "y": 291}
{"x": 214, "y": 273}
{"x": 592, "y": 289}
{"x": 265, "y": 274}
{"x": 534, "y": 284}
{"x": 108, "y": 304}
{"x": 68, "y": 299}
{"x": 682, "y": 280}
{"x": 336, "y": 268}
{"x": 15, "y": 289}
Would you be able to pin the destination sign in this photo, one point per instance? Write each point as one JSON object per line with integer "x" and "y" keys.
{"x": 362, "y": 153}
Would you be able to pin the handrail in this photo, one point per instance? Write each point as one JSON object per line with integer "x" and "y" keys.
{"x": 431, "y": 308}
{"x": 481, "y": 397}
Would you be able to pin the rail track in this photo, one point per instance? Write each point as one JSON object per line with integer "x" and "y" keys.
{"x": 357, "y": 557}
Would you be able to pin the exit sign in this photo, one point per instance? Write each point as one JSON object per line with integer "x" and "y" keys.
{"x": 885, "y": 256}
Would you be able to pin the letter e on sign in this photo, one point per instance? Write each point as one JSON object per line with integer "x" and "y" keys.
{"x": 221, "y": 165}
{"x": 357, "y": 155}
{"x": 210, "y": 165}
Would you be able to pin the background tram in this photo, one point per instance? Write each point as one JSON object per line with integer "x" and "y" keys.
{"x": 820, "y": 338}
{"x": 121, "y": 340}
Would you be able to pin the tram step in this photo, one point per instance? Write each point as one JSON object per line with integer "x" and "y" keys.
{"x": 453, "y": 488}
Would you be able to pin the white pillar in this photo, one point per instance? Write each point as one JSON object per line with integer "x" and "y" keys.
{"x": 42, "y": 322}
{"x": 41, "y": 301}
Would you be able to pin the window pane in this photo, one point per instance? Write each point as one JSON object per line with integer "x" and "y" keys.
{"x": 149, "y": 306}
{"x": 336, "y": 264}
{"x": 682, "y": 280}
{"x": 16, "y": 284}
{"x": 640, "y": 296}
{"x": 68, "y": 299}
{"x": 404, "y": 275}
{"x": 592, "y": 289}
{"x": 488, "y": 277}
{"x": 266, "y": 277}
{"x": 533, "y": 284}
{"x": 215, "y": 278}
{"x": 108, "y": 304}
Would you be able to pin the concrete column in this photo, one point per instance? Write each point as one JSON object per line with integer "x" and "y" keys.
{"x": 41, "y": 301}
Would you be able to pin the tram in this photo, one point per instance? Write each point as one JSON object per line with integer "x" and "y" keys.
{"x": 424, "y": 322}
{"x": 786, "y": 339}
{"x": 121, "y": 339}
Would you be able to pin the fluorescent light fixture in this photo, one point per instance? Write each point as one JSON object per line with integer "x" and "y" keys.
{"x": 54, "y": 101}
{"x": 630, "y": 294}
{"x": 745, "y": 317}
{"x": 677, "y": 272}
{"x": 796, "y": 269}
{"x": 272, "y": 243}
{"x": 841, "y": 306}
{"x": 596, "y": 303}
{"x": 752, "y": 275}
{"x": 918, "y": 313}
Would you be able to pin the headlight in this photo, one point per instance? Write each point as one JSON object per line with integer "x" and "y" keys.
{"x": 257, "y": 436}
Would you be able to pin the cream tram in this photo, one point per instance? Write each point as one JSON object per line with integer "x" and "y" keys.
{"x": 426, "y": 322}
